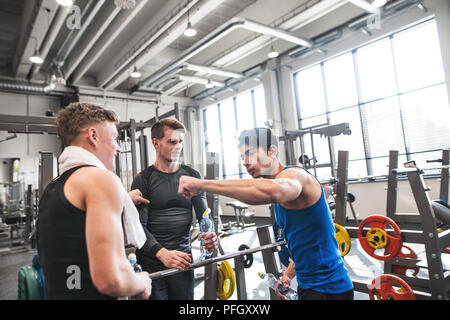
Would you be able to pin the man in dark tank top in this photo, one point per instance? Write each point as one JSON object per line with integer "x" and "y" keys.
{"x": 167, "y": 219}
{"x": 300, "y": 210}
{"x": 80, "y": 237}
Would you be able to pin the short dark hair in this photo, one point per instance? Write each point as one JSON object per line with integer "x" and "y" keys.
{"x": 258, "y": 137}
{"x": 159, "y": 126}
{"x": 77, "y": 116}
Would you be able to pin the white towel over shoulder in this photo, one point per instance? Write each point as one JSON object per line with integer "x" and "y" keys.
{"x": 76, "y": 156}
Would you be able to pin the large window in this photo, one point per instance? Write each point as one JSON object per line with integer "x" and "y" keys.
{"x": 393, "y": 94}
{"x": 222, "y": 123}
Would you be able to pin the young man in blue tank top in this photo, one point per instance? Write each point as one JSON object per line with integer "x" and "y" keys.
{"x": 300, "y": 210}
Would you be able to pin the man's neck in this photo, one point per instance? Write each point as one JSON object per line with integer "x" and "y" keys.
{"x": 166, "y": 166}
{"x": 275, "y": 171}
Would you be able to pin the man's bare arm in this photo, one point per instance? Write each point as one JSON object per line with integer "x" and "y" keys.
{"x": 285, "y": 188}
{"x": 110, "y": 271}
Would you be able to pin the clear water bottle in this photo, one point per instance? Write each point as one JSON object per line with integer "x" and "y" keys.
{"x": 206, "y": 226}
{"x": 136, "y": 267}
{"x": 133, "y": 261}
{"x": 272, "y": 282}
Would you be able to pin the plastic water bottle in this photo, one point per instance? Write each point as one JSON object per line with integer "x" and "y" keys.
{"x": 206, "y": 226}
{"x": 136, "y": 267}
{"x": 133, "y": 261}
{"x": 272, "y": 282}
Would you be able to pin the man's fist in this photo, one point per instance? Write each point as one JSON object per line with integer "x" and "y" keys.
{"x": 189, "y": 186}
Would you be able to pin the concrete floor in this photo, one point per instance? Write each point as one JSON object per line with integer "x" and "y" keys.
{"x": 360, "y": 266}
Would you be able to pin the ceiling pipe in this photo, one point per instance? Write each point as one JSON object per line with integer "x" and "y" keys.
{"x": 106, "y": 16}
{"x": 108, "y": 37}
{"x": 55, "y": 27}
{"x": 213, "y": 70}
{"x": 231, "y": 83}
{"x": 199, "y": 80}
{"x": 87, "y": 16}
{"x": 155, "y": 42}
{"x": 216, "y": 35}
{"x": 363, "y": 4}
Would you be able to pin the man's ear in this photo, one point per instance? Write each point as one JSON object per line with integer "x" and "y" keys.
{"x": 273, "y": 151}
{"x": 92, "y": 135}
{"x": 155, "y": 143}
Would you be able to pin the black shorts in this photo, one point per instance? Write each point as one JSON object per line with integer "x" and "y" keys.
{"x": 315, "y": 295}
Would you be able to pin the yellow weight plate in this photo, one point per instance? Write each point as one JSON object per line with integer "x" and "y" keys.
{"x": 226, "y": 281}
{"x": 377, "y": 238}
{"x": 343, "y": 239}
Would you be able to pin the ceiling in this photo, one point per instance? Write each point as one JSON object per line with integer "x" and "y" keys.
{"x": 98, "y": 44}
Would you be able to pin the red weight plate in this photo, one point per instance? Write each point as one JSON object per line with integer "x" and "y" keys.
{"x": 394, "y": 243}
{"x": 399, "y": 269}
{"x": 384, "y": 287}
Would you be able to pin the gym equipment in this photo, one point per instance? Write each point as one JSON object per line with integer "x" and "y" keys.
{"x": 442, "y": 211}
{"x": 325, "y": 130}
{"x": 399, "y": 269}
{"x": 378, "y": 237}
{"x": 202, "y": 263}
{"x": 226, "y": 281}
{"x": 240, "y": 211}
{"x": 248, "y": 258}
{"x": 383, "y": 288}
{"x": 28, "y": 286}
{"x": 343, "y": 239}
{"x": 283, "y": 253}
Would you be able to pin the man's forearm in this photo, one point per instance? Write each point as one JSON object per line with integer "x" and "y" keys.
{"x": 254, "y": 192}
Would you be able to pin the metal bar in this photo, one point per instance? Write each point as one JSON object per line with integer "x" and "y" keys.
{"x": 212, "y": 173}
{"x": 264, "y": 248}
{"x": 443, "y": 193}
{"x": 431, "y": 238}
{"x": 270, "y": 263}
{"x": 391, "y": 202}
{"x": 143, "y": 151}
{"x": 7, "y": 118}
{"x": 410, "y": 236}
{"x": 239, "y": 272}
{"x": 45, "y": 170}
{"x": 341, "y": 188}
{"x": 133, "y": 147}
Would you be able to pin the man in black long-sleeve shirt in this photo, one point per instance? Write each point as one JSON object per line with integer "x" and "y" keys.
{"x": 167, "y": 218}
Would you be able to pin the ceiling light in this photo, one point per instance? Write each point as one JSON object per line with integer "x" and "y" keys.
{"x": 65, "y": 3}
{"x": 190, "y": 31}
{"x": 135, "y": 73}
{"x": 273, "y": 53}
{"x": 36, "y": 58}
{"x": 209, "y": 84}
{"x": 378, "y": 3}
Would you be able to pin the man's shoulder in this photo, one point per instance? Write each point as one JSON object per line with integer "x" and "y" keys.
{"x": 95, "y": 174}
{"x": 191, "y": 171}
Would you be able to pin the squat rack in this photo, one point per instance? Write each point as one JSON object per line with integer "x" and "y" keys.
{"x": 437, "y": 286}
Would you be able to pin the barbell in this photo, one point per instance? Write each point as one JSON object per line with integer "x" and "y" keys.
{"x": 202, "y": 263}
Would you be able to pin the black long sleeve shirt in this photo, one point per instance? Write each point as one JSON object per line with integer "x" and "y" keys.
{"x": 168, "y": 218}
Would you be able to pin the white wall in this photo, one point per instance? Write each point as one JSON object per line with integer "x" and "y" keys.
{"x": 26, "y": 147}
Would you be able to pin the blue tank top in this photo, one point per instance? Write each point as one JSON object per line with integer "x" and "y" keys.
{"x": 310, "y": 237}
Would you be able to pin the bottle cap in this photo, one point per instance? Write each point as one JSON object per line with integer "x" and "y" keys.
{"x": 260, "y": 274}
{"x": 132, "y": 256}
{"x": 207, "y": 211}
